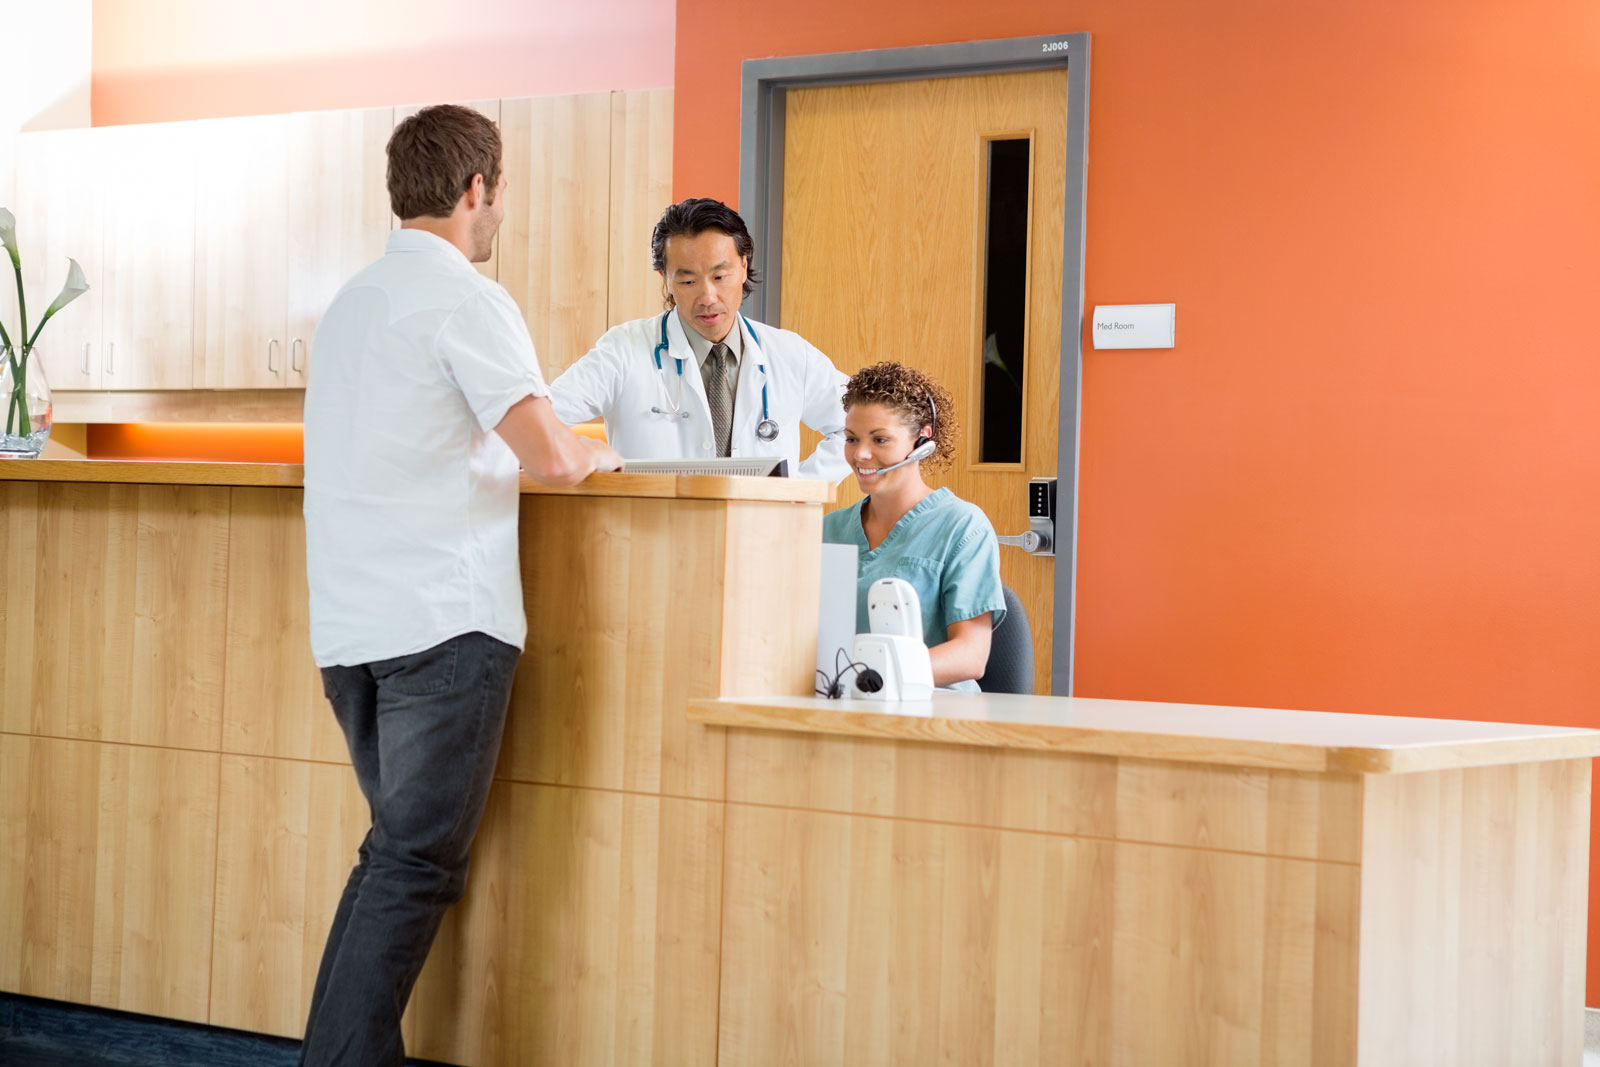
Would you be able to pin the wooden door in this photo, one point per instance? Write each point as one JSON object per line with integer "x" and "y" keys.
{"x": 149, "y": 182}
{"x": 338, "y": 217}
{"x": 240, "y": 254}
{"x": 58, "y": 215}
{"x": 885, "y": 224}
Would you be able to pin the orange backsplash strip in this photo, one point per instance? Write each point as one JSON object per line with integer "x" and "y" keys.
{"x": 218, "y": 442}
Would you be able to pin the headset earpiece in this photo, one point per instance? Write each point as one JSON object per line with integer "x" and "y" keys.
{"x": 933, "y": 426}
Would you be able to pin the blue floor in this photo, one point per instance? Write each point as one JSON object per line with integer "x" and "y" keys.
{"x": 48, "y": 1033}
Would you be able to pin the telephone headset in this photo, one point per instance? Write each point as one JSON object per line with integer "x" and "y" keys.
{"x": 924, "y": 446}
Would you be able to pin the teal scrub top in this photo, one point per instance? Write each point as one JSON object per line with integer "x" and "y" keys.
{"x": 945, "y": 547}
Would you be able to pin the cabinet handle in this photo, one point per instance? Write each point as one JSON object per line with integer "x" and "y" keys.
{"x": 111, "y": 357}
{"x": 86, "y": 358}
{"x": 272, "y": 348}
{"x": 295, "y": 347}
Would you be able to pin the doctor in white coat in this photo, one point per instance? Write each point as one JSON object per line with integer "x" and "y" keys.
{"x": 653, "y": 379}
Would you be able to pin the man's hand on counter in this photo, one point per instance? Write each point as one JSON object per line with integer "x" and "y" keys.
{"x": 606, "y": 458}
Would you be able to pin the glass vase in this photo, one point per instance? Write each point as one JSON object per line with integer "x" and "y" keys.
{"x": 25, "y": 401}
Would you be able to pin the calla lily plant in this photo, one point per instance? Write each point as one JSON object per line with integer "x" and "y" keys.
{"x": 16, "y": 352}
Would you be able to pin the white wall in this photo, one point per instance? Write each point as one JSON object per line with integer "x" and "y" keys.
{"x": 44, "y": 85}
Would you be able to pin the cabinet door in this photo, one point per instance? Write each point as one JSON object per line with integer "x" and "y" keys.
{"x": 338, "y": 214}
{"x": 240, "y": 253}
{"x": 58, "y": 215}
{"x": 554, "y": 242}
{"x": 149, "y": 182}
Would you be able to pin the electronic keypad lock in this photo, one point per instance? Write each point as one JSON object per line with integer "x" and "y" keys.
{"x": 1040, "y": 539}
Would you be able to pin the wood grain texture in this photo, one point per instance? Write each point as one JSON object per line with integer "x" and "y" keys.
{"x": 106, "y": 892}
{"x": 553, "y": 259}
{"x": 769, "y": 598}
{"x": 624, "y": 602}
{"x": 1269, "y": 812}
{"x": 653, "y": 486}
{"x": 588, "y": 935}
{"x": 125, "y": 595}
{"x": 338, "y": 212}
{"x": 148, "y": 252}
{"x": 287, "y": 839}
{"x": 1473, "y": 911}
{"x": 59, "y": 211}
{"x": 1200, "y": 733}
{"x": 176, "y": 405}
{"x": 852, "y": 154}
{"x": 241, "y": 258}
{"x": 273, "y": 700}
{"x": 641, "y": 189}
{"x": 852, "y": 939}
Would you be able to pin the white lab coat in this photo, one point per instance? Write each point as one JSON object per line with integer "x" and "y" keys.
{"x": 618, "y": 380}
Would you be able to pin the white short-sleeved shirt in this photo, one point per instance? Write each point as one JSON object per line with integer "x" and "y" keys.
{"x": 410, "y": 497}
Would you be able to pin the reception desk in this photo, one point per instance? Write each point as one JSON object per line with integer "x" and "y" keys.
{"x": 686, "y": 860}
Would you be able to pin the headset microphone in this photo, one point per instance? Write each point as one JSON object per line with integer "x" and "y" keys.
{"x": 921, "y": 452}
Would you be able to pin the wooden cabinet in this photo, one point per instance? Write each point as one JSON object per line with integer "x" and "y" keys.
{"x": 147, "y": 178}
{"x": 212, "y": 248}
{"x": 58, "y": 212}
{"x": 558, "y": 154}
{"x": 241, "y": 255}
{"x": 121, "y": 202}
{"x": 304, "y": 208}
{"x": 338, "y": 214}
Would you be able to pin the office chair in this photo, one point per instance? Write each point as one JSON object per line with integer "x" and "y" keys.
{"x": 1010, "y": 666}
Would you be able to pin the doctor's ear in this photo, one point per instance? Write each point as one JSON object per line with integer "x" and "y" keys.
{"x": 667, "y": 302}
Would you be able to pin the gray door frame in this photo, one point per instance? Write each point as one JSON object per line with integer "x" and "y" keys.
{"x": 764, "y": 85}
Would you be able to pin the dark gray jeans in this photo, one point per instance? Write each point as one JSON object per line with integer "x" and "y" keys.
{"x": 424, "y": 734}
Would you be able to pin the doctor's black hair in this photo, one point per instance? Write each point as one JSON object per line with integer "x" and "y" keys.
{"x": 694, "y": 216}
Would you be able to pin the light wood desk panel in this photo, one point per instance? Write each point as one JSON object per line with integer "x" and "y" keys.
{"x": 106, "y": 888}
{"x": 1246, "y": 809}
{"x": 1227, "y": 913}
{"x": 113, "y": 612}
{"x": 589, "y": 934}
{"x": 868, "y": 940}
{"x": 273, "y": 703}
{"x": 287, "y": 838}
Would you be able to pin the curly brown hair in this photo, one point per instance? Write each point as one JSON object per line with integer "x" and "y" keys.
{"x": 914, "y": 396}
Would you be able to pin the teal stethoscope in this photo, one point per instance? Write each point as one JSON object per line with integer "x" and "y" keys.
{"x": 766, "y": 429}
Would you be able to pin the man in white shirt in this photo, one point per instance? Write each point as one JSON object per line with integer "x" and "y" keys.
{"x": 425, "y": 395}
{"x": 700, "y": 380}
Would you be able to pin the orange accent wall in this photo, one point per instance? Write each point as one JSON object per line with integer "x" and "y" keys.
{"x": 1367, "y": 479}
{"x": 164, "y": 60}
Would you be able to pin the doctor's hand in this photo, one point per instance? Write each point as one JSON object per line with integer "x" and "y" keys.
{"x": 606, "y": 458}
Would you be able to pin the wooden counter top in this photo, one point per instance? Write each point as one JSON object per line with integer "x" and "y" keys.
{"x": 1198, "y": 733}
{"x": 700, "y": 487}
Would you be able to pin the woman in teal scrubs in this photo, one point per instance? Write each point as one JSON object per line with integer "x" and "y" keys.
{"x": 903, "y": 528}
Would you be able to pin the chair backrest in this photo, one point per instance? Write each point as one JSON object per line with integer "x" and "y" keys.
{"x": 1010, "y": 666}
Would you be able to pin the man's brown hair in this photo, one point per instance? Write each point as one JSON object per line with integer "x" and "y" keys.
{"x": 433, "y": 156}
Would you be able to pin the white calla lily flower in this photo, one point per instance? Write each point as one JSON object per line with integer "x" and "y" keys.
{"x": 75, "y": 287}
